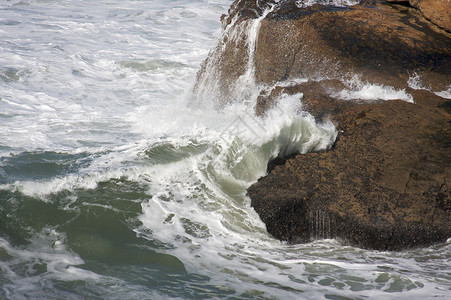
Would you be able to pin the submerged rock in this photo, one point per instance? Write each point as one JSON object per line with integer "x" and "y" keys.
{"x": 386, "y": 183}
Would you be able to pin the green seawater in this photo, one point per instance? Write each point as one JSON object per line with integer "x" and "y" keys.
{"x": 97, "y": 225}
{"x": 96, "y": 242}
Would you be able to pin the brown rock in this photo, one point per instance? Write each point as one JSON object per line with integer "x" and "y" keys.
{"x": 437, "y": 11}
{"x": 386, "y": 184}
{"x": 381, "y": 42}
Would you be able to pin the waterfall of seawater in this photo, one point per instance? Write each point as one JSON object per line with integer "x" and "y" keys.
{"x": 213, "y": 86}
{"x": 246, "y": 82}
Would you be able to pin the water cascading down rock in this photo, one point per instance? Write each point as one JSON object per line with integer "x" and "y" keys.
{"x": 386, "y": 183}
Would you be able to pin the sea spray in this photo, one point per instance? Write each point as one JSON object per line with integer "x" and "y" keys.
{"x": 251, "y": 141}
{"x": 243, "y": 91}
{"x": 359, "y": 90}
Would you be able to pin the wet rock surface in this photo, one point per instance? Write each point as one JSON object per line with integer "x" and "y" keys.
{"x": 386, "y": 183}
{"x": 383, "y": 43}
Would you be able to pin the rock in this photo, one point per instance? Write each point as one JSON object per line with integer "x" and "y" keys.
{"x": 386, "y": 183}
{"x": 437, "y": 11}
{"x": 381, "y": 42}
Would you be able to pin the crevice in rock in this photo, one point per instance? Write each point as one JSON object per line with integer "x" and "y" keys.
{"x": 401, "y": 3}
{"x": 446, "y": 106}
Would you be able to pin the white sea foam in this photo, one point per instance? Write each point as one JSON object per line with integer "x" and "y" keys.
{"x": 358, "y": 90}
{"x": 445, "y": 93}
{"x": 415, "y": 82}
{"x": 31, "y": 271}
{"x": 340, "y": 3}
{"x": 46, "y": 250}
{"x": 60, "y": 75}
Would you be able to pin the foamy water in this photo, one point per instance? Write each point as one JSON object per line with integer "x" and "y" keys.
{"x": 415, "y": 82}
{"x": 114, "y": 185}
{"x": 359, "y": 90}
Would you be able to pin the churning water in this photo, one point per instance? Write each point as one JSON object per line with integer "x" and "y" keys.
{"x": 114, "y": 185}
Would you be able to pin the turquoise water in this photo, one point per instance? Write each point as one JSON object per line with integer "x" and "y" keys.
{"x": 117, "y": 182}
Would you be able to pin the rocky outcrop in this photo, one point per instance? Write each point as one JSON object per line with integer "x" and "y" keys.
{"x": 386, "y": 183}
